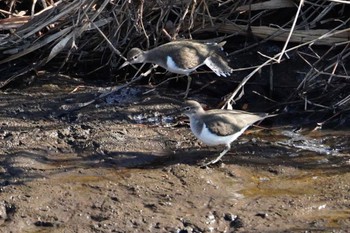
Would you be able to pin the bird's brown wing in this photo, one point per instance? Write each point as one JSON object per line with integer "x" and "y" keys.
{"x": 194, "y": 52}
{"x": 192, "y": 59}
{"x": 225, "y": 122}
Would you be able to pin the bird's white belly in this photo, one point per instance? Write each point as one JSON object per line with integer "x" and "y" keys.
{"x": 172, "y": 67}
{"x": 212, "y": 139}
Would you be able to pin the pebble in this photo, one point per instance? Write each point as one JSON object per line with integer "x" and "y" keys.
{"x": 3, "y": 212}
{"x": 237, "y": 223}
{"x": 262, "y": 214}
{"x": 230, "y": 217}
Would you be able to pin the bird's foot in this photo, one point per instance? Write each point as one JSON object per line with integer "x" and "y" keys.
{"x": 211, "y": 162}
{"x": 217, "y": 159}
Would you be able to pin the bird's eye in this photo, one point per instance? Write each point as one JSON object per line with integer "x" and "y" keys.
{"x": 187, "y": 108}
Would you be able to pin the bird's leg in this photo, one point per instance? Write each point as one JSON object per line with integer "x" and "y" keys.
{"x": 189, "y": 80}
{"x": 228, "y": 147}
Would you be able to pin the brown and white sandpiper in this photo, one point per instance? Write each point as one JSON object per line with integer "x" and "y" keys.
{"x": 183, "y": 57}
{"x": 219, "y": 126}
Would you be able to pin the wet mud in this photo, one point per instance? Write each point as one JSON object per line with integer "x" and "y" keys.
{"x": 126, "y": 165}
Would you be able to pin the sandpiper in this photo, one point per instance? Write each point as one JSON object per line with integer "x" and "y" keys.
{"x": 218, "y": 126}
{"x": 183, "y": 57}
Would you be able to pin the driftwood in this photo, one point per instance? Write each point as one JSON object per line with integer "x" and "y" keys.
{"x": 318, "y": 36}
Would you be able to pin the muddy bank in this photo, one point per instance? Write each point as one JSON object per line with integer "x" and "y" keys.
{"x": 124, "y": 166}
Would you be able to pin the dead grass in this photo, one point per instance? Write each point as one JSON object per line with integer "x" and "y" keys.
{"x": 74, "y": 35}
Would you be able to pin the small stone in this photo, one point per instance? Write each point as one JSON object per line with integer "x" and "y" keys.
{"x": 262, "y": 214}
{"x": 3, "y": 212}
{"x": 43, "y": 224}
{"x": 188, "y": 229}
{"x": 230, "y": 217}
{"x": 210, "y": 218}
{"x": 237, "y": 223}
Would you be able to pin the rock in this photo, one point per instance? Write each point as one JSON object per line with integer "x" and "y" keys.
{"x": 43, "y": 224}
{"x": 237, "y": 223}
{"x": 3, "y": 212}
{"x": 262, "y": 214}
{"x": 230, "y": 217}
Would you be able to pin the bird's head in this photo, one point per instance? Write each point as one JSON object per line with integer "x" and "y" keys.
{"x": 135, "y": 55}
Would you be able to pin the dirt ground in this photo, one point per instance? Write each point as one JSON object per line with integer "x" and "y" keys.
{"x": 123, "y": 165}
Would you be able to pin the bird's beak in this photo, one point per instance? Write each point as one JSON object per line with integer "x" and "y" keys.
{"x": 124, "y": 64}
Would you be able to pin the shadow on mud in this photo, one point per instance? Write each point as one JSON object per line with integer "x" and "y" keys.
{"x": 28, "y": 165}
